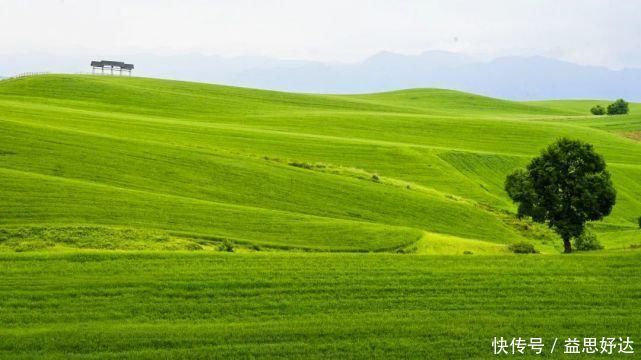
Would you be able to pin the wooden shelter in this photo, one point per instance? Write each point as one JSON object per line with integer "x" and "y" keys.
{"x": 109, "y": 65}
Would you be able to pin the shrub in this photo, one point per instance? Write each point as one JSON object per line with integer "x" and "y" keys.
{"x": 226, "y": 245}
{"x": 523, "y": 248}
{"x": 597, "y": 110}
{"x": 618, "y": 107}
{"x": 639, "y": 222}
{"x": 587, "y": 242}
{"x": 302, "y": 165}
{"x": 375, "y": 178}
{"x": 467, "y": 252}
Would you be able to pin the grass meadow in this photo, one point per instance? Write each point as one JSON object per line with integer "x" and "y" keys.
{"x": 370, "y": 225}
{"x": 151, "y": 305}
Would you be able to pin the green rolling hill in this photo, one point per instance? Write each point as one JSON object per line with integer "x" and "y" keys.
{"x": 94, "y": 169}
{"x": 134, "y": 163}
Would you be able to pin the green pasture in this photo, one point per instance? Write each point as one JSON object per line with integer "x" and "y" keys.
{"x": 199, "y": 305}
{"x": 374, "y": 172}
{"x": 155, "y": 219}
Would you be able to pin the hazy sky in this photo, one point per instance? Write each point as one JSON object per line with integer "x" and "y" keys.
{"x": 594, "y": 32}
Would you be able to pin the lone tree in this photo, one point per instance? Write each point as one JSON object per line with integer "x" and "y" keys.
{"x": 619, "y": 107}
{"x": 566, "y": 186}
{"x": 597, "y": 110}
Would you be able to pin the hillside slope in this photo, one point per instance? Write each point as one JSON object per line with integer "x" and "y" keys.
{"x": 420, "y": 170}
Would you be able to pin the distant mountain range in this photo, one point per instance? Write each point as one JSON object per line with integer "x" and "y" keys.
{"x": 519, "y": 78}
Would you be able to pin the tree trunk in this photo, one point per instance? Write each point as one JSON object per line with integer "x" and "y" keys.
{"x": 568, "y": 245}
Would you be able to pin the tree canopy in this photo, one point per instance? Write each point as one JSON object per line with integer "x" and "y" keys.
{"x": 566, "y": 186}
{"x": 619, "y": 107}
{"x": 597, "y": 110}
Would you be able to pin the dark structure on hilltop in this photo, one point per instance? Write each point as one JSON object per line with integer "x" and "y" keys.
{"x": 111, "y": 66}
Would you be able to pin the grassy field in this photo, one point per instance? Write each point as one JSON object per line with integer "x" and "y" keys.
{"x": 200, "y": 305}
{"x": 120, "y": 196}
{"x": 203, "y": 163}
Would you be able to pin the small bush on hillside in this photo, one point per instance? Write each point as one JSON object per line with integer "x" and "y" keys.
{"x": 375, "y": 178}
{"x": 597, "y": 110}
{"x": 587, "y": 242}
{"x": 523, "y": 248}
{"x": 302, "y": 165}
{"x": 467, "y": 252}
{"x": 226, "y": 245}
{"x": 619, "y": 107}
{"x": 639, "y": 222}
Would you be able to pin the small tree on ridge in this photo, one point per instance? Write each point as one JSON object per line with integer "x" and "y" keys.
{"x": 619, "y": 107}
{"x": 597, "y": 110}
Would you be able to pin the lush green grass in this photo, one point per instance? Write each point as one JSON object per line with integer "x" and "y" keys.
{"x": 287, "y": 171}
{"x": 116, "y": 194}
{"x": 204, "y": 305}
